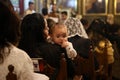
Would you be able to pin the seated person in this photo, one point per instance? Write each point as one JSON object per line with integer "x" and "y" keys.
{"x": 34, "y": 42}
{"x": 54, "y": 15}
{"x": 97, "y": 33}
{"x": 73, "y": 25}
{"x": 30, "y": 10}
{"x": 15, "y": 64}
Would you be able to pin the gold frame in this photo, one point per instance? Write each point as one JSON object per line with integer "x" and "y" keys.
{"x": 37, "y": 4}
{"x": 62, "y": 5}
{"x": 92, "y": 12}
{"x": 116, "y": 7}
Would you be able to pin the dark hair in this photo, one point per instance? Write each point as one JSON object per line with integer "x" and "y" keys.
{"x": 84, "y": 21}
{"x": 64, "y": 12}
{"x": 98, "y": 29}
{"x": 98, "y": 25}
{"x": 8, "y": 3}
{"x": 30, "y": 3}
{"x": 51, "y": 23}
{"x": 9, "y": 31}
{"x": 44, "y": 11}
{"x": 32, "y": 28}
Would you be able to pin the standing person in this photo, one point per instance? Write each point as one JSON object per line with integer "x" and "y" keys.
{"x": 34, "y": 41}
{"x": 12, "y": 59}
{"x": 59, "y": 36}
{"x": 54, "y": 14}
{"x": 30, "y": 9}
{"x": 45, "y": 13}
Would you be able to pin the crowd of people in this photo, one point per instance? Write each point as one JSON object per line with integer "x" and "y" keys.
{"x": 48, "y": 36}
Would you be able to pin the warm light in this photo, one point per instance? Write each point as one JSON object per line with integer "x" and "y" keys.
{"x": 99, "y": 1}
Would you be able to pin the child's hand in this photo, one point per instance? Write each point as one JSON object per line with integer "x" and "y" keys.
{"x": 65, "y": 44}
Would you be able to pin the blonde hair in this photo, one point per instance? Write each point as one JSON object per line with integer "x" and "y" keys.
{"x": 58, "y": 25}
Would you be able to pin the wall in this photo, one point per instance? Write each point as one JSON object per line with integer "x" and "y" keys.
{"x": 110, "y": 10}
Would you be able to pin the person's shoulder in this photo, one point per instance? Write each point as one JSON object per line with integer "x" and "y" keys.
{"x": 82, "y": 40}
{"x": 27, "y": 10}
{"x": 86, "y": 40}
{"x": 19, "y": 52}
{"x": 16, "y": 49}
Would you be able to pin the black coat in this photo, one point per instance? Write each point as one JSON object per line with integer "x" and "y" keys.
{"x": 82, "y": 46}
{"x": 52, "y": 54}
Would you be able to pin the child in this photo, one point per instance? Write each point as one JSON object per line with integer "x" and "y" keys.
{"x": 58, "y": 34}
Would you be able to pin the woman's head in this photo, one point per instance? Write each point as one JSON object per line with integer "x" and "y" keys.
{"x": 34, "y": 31}
{"x": 9, "y": 25}
{"x": 34, "y": 28}
{"x": 8, "y": 3}
{"x": 97, "y": 28}
{"x": 98, "y": 25}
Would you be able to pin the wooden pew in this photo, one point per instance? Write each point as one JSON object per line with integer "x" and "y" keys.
{"x": 48, "y": 70}
{"x": 85, "y": 65}
{"x": 103, "y": 73}
{"x": 62, "y": 75}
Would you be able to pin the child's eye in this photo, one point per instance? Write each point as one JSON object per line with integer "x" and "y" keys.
{"x": 57, "y": 36}
{"x": 64, "y": 35}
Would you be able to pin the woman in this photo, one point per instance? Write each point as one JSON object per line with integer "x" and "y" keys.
{"x": 13, "y": 61}
{"x": 8, "y": 3}
{"x": 34, "y": 41}
{"x": 97, "y": 33}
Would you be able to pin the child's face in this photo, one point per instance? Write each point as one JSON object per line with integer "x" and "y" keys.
{"x": 59, "y": 35}
{"x": 63, "y": 16}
